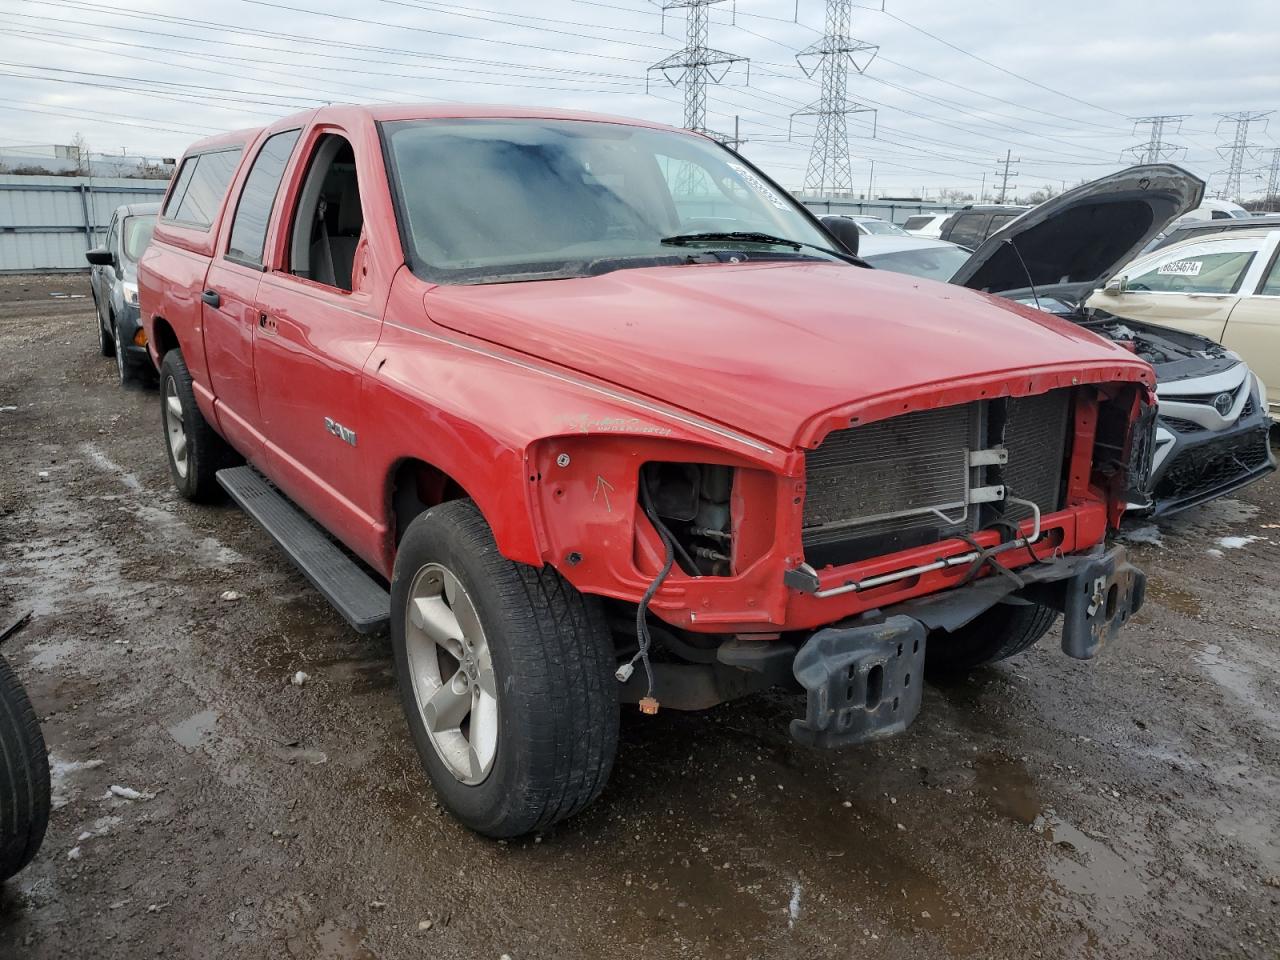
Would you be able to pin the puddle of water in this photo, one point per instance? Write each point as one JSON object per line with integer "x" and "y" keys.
{"x": 194, "y": 730}
{"x": 1241, "y": 682}
{"x": 330, "y": 942}
{"x": 1181, "y": 601}
{"x": 1006, "y": 783}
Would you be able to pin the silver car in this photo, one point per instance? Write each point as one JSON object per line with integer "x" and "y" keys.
{"x": 113, "y": 278}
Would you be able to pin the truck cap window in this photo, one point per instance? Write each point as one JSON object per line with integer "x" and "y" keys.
{"x": 493, "y": 200}
{"x": 197, "y": 195}
{"x": 249, "y": 228}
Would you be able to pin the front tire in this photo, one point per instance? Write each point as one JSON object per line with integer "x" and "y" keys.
{"x": 196, "y": 452}
{"x": 997, "y": 634}
{"x": 130, "y": 372}
{"x": 24, "y": 777}
{"x": 106, "y": 345}
{"x": 505, "y": 674}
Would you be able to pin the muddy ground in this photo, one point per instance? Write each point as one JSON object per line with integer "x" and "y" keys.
{"x": 1126, "y": 807}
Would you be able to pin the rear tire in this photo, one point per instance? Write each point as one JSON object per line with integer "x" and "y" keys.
{"x": 551, "y": 662}
{"x": 196, "y": 452}
{"x": 24, "y": 777}
{"x": 999, "y": 633}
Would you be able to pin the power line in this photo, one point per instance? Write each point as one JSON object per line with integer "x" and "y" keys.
{"x": 996, "y": 66}
{"x": 1155, "y": 149}
{"x": 834, "y": 53}
{"x": 696, "y": 64}
{"x": 1239, "y": 148}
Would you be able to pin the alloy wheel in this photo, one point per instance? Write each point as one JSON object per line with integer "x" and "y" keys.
{"x": 174, "y": 428}
{"x": 451, "y": 667}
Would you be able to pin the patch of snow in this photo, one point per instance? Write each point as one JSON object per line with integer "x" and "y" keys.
{"x": 73, "y": 853}
{"x": 1236, "y": 543}
{"x": 230, "y": 596}
{"x": 1215, "y": 553}
{"x": 59, "y": 770}
{"x": 1149, "y": 534}
{"x": 793, "y": 908}
{"x": 299, "y": 678}
{"x": 127, "y": 793}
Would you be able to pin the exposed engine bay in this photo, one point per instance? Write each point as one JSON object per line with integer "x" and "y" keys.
{"x": 1175, "y": 355}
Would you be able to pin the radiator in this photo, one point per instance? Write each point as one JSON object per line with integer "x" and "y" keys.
{"x": 904, "y": 482}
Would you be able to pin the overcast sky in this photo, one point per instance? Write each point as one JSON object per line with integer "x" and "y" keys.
{"x": 1059, "y": 86}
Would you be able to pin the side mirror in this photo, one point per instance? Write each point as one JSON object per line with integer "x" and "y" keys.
{"x": 845, "y": 231}
{"x": 100, "y": 257}
{"x": 1117, "y": 285}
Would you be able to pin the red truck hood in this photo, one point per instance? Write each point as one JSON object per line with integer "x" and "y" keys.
{"x": 765, "y": 347}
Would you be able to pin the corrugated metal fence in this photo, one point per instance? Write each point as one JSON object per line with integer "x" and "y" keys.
{"x": 47, "y": 223}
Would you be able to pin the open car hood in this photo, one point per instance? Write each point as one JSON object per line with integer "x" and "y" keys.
{"x": 1076, "y": 241}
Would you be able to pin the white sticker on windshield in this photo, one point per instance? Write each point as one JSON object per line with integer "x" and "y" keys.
{"x": 758, "y": 185}
{"x": 1182, "y": 268}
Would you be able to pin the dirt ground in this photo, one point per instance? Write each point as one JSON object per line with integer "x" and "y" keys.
{"x": 1126, "y": 807}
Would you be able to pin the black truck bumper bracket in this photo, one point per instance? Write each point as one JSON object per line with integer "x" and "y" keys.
{"x": 864, "y": 682}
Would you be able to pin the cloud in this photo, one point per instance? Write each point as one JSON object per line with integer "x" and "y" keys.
{"x": 150, "y": 77}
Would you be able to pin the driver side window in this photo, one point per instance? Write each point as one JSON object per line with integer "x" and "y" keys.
{"x": 1191, "y": 272}
{"x": 329, "y": 219}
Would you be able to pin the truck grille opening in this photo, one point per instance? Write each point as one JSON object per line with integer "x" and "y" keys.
{"x": 907, "y": 481}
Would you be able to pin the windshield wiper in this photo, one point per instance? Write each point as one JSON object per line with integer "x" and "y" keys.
{"x": 748, "y": 236}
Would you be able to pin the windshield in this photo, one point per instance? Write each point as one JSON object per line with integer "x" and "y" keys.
{"x": 137, "y": 234}
{"x": 488, "y": 200}
{"x": 933, "y": 263}
{"x": 882, "y": 228}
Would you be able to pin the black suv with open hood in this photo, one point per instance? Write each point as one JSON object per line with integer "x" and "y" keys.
{"x": 1212, "y": 434}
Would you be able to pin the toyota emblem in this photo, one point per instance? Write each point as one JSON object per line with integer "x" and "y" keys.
{"x": 1223, "y": 403}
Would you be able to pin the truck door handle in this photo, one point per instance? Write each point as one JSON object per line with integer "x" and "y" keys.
{"x": 211, "y": 298}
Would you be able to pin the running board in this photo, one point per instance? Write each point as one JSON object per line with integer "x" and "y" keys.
{"x": 363, "y": 602}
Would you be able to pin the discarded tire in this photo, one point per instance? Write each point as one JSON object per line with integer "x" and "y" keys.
{"x": 24, "y": 777}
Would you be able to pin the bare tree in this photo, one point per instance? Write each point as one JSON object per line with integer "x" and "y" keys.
{"x": 81, "y": 147}
{"x": 1047, "y": 192}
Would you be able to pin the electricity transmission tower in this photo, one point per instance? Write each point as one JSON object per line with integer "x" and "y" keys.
{"x": 1004, "y": 173}
{"x": 829, "y": 157}
{"x": 696, "y": 64}
{"x": 1155, "y": 149}
{"x": 1272, "y": 197}
{"x": 1238, "y": 149}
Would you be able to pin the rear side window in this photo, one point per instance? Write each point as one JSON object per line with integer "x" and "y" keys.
{"x": 968, "y": 229}
{"x": 249, "y": 228}
{"x": 179, "y": 187}
{"x": 998, "y": 220}
{"x": 195, "y": 202}
{"x": 915, "y": 223}
{"x": 1271, "y": 288}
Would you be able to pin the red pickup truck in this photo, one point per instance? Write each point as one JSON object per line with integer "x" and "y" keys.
{"x": 590, "y": 411}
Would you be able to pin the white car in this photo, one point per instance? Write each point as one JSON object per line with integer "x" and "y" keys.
{"x": 1225, "y": 287}
{"x": 875, "y": 226}
{"x": 925, "y": 224}
{"x": 918, "y": 256}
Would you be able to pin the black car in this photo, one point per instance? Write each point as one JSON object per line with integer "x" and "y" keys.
{"x": 113, "y": 279}
{"x": 1211, "y": 436}
{"x": 971, "y": 225}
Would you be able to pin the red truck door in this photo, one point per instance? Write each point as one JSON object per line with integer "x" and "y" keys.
{"x": 231, "y": 290}
{"x": 319, "y": 321}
